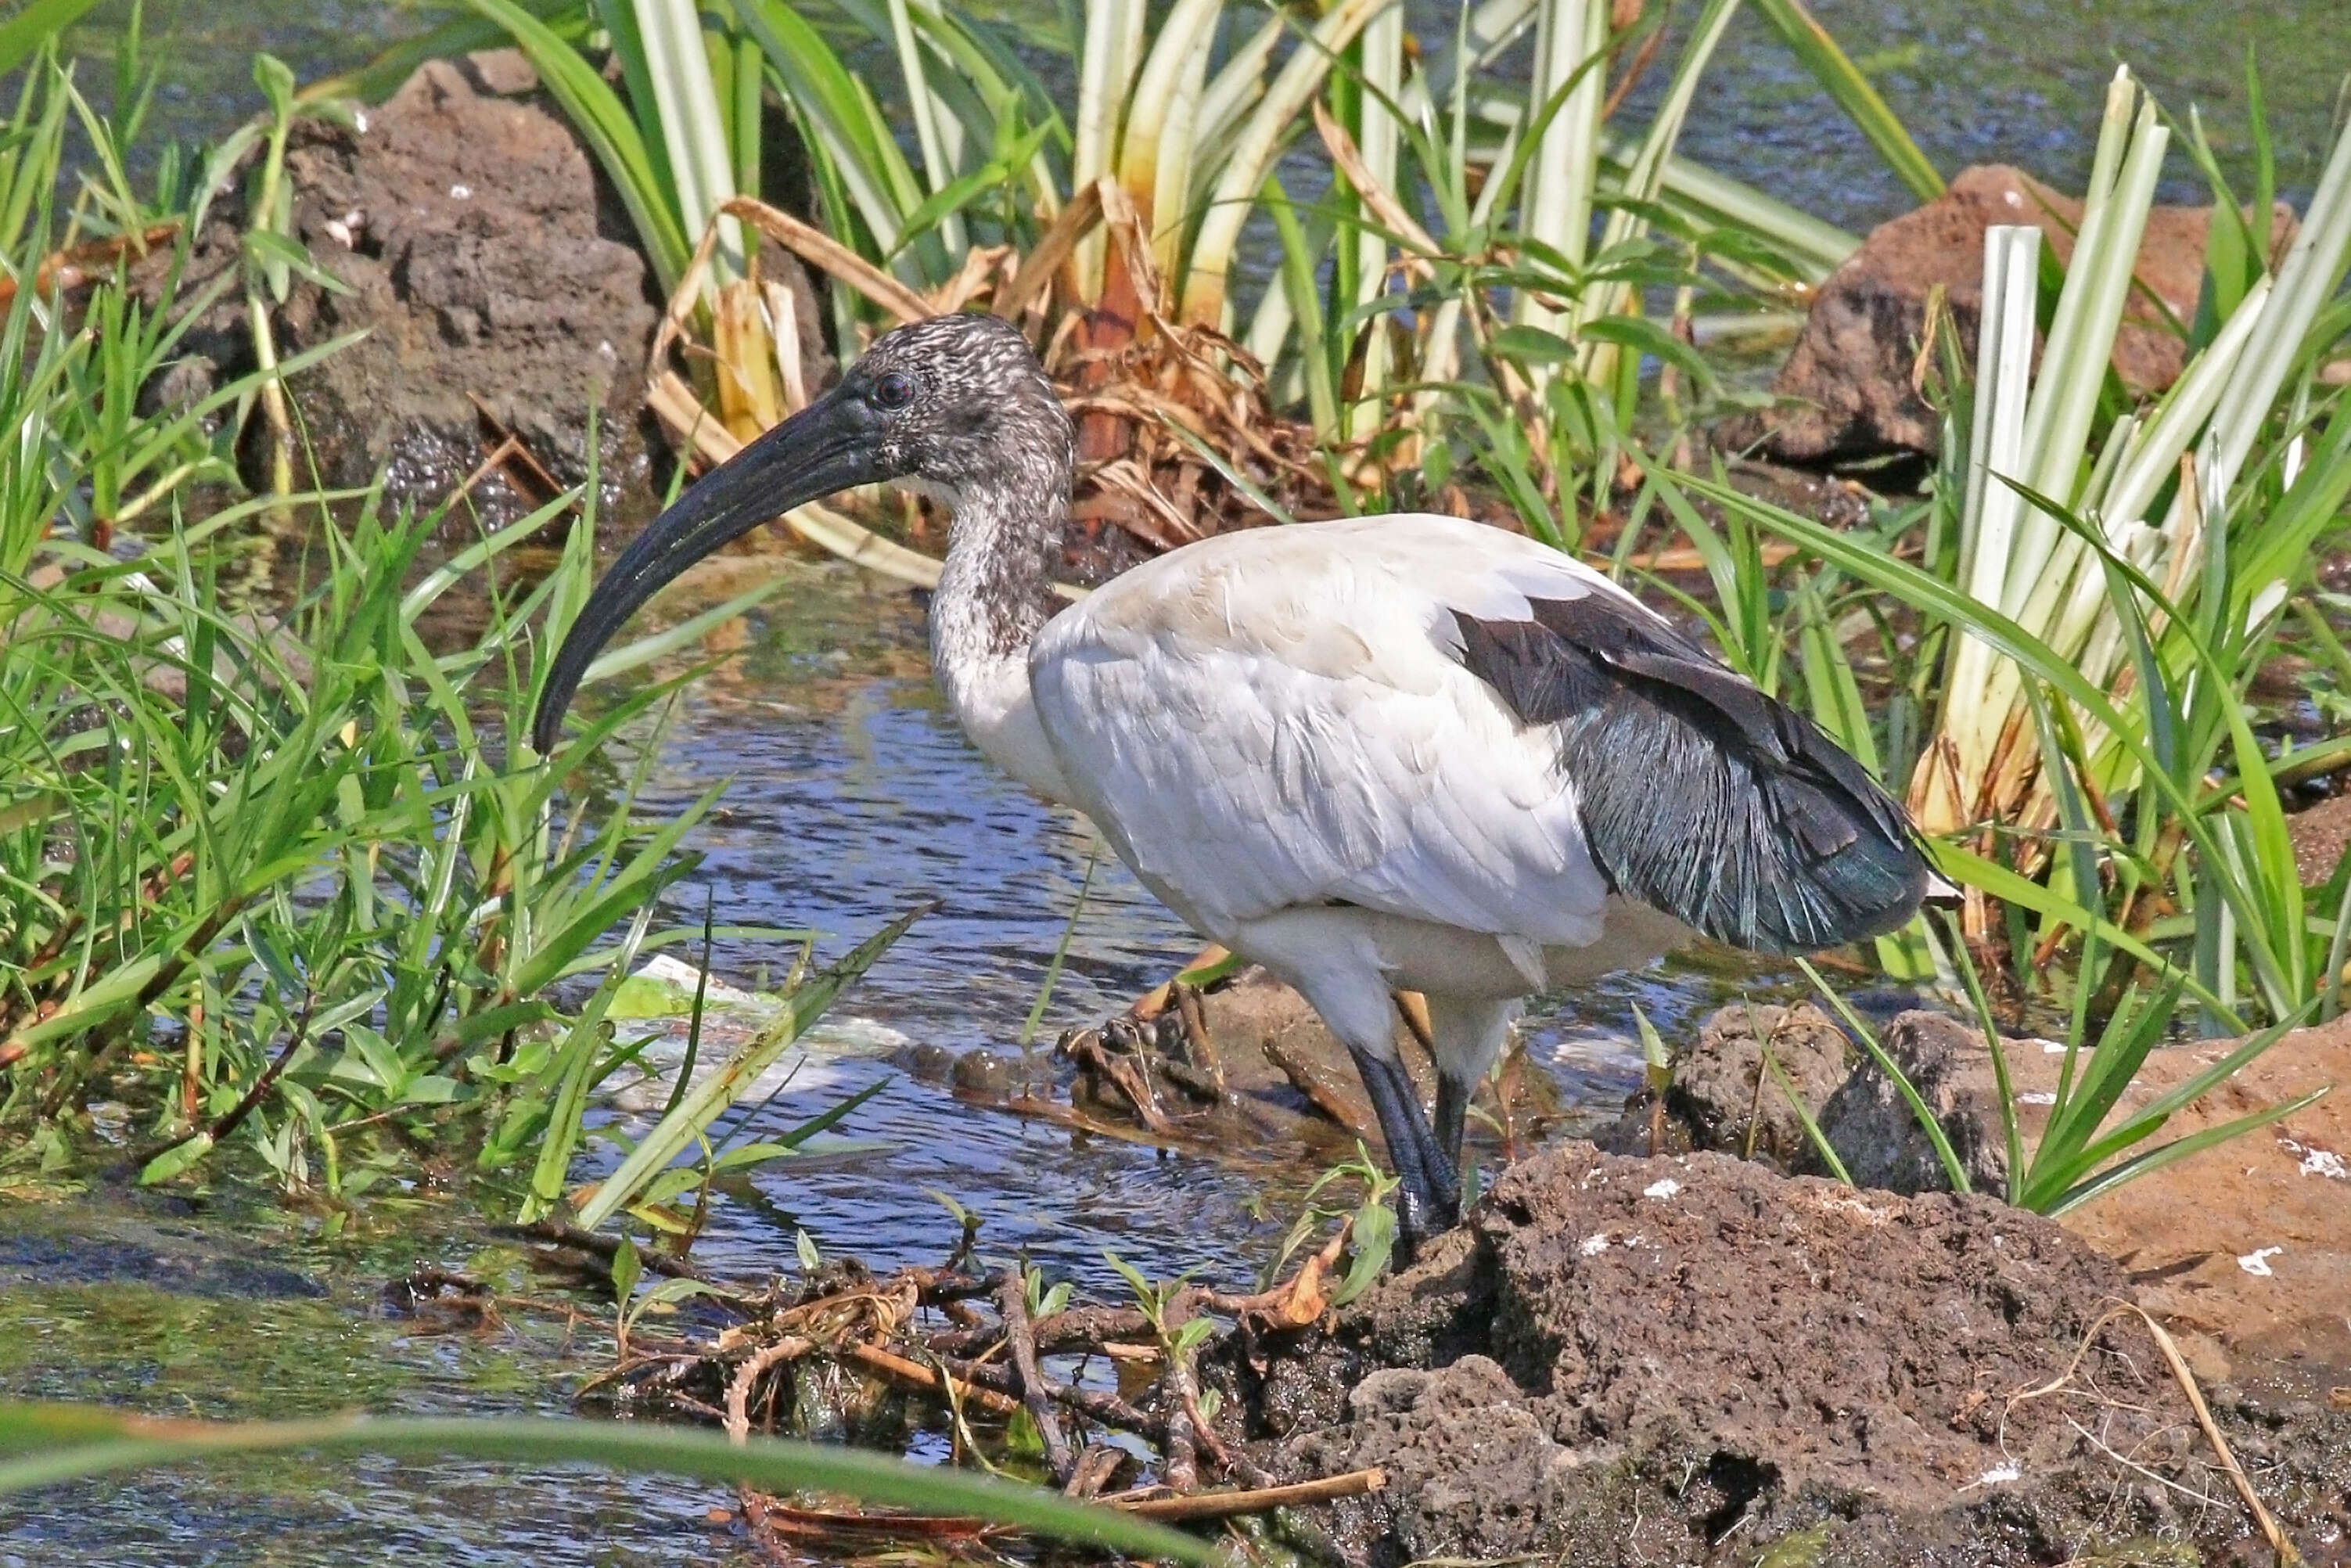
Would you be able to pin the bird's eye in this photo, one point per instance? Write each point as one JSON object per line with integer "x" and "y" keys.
{"x": 894, "y": 391}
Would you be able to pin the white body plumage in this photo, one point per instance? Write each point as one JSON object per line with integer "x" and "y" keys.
{"x": 1276, "y": 732}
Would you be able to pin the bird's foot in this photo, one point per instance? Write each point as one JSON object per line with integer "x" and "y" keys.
{"x": 1425, "y": 1210}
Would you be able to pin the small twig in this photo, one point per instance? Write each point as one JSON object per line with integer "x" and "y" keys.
{"x": 1095, "y": 1467}
{"x": 1633, "y": 73}
{"x": 1259, "y": 1500}
{"x": 921, "y": 1376}
{"x": 746, "y": 1376}
{"x": 1096, "y": 1404}
{"x": 1203, "y": 1044}
{"x": 2283, "y": 1548}
{"x": 1107, "y": 1408}
{"x": 1061, "y": 1115}
{"x": 1036, "y": 1394}
{"x": 233, "y": 1117}
{"x": 1233, "y": 1463}
{"x": 1155, "y": 1000}
{"x": 85, "y": 264}
{"x": 1124, "y": 1073}
{"x": 1182, "y": 1468}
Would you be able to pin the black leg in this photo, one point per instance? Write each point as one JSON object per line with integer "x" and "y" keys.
{"x": 1430, "y": 1200}
{"x": 1452, "y": 1115}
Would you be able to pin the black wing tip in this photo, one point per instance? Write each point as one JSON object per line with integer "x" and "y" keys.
{"x": 546, "y": 726}
{"x": 1700, "y": 794}
{"x": 1779, "y": 855}
{"x": 1878, "y": 875}
{"x": 1870, "y": 890}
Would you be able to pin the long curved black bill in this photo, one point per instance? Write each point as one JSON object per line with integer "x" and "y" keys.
{"x": 825, "y": 447}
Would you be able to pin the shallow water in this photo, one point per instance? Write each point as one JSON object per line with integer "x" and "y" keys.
{"x": 218, "y": 1312}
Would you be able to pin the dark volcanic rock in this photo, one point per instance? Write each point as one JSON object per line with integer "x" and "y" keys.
{"x": 1849, "y": 382}
{"x": 497, "y": 284}
{"x": 1721, "y": 1090}
{"x": 1723, "y": 1100}
{"x": 468, "y": 228}
{"x": 1870, "y": 1123}
{"x": 1689, "y": 1360}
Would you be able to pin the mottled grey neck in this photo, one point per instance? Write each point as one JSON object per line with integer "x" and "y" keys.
{"x": 995, "y": 593}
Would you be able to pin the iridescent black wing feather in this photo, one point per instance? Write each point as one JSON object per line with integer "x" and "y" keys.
{"x": 1699, "y": 794}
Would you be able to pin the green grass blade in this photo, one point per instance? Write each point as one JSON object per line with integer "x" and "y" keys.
{"x": 1060, "y": 951}
{"x": 22, "y": 35}
{"x": 2011, "y": 1133}
{"x": 704, "y": 1103}
{"x": 62, "y": 1442}
{"x": 1819, "y": 1139}
{"x": 1967, "y": 867}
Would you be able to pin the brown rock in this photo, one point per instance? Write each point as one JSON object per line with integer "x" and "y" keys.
{"x": 468, "y": 229}
{"x": 481, "y": 256}
{"x": 1722, "y": 1090}
{"x": 2320, "y": 836}
{"x": 1278, "y": 1055}
{"x": 1850, "y": 379}
{"x": 2248, "y": 1242}
{"x": 1870, "y": 1123}
{"x": 504, "y": 73}
{"x": 1272, "y": 1078}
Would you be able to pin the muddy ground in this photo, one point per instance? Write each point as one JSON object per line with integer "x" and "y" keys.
{"x": 1693, "y": 1359}
{"x": 1709, "y": 1359}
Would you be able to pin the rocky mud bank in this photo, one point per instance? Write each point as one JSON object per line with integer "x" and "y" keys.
{"x": 1693, "y": 1359}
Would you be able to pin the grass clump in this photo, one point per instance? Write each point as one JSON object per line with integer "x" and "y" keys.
{"x": 289, "y": 882}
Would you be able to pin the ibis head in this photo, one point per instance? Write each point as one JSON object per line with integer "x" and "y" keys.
{"x": 952, "y": 406}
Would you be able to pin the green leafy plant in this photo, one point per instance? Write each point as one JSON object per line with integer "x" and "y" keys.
{"x": 1370, "y": 1226}
{"x": 2093, "y": 753}
{"x": 295, "y": 881}
{"x": 2081, "y": 1153}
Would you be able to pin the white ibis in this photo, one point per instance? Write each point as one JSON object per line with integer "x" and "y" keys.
{"x": 1407, "y": 752}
